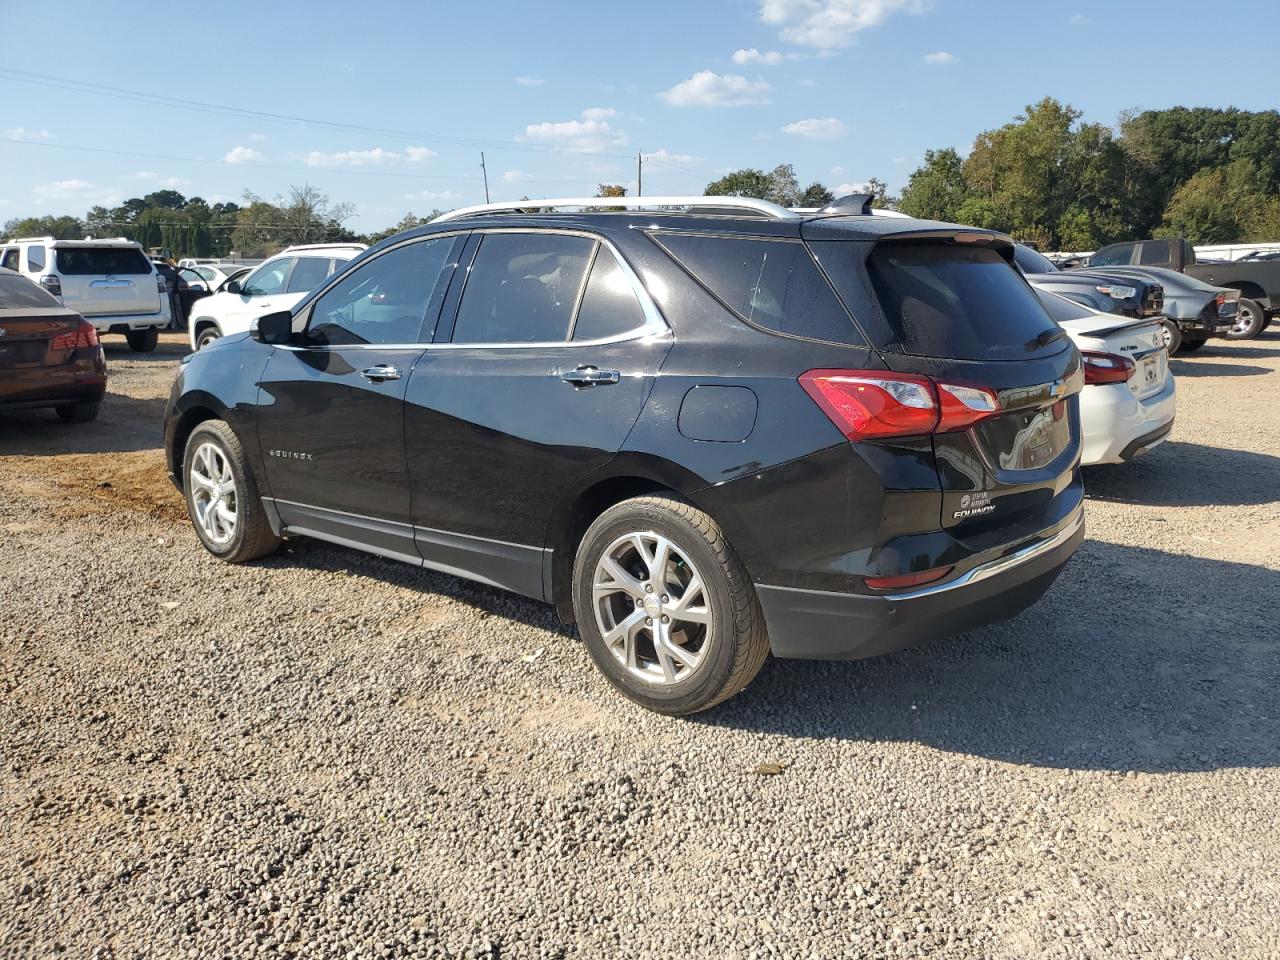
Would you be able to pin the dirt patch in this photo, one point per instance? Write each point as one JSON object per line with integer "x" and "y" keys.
{"x": 91, "y": 483}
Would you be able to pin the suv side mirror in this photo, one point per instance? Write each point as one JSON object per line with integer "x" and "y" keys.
{"x": 231, "y": 286}
{"x": 275, "y": 328}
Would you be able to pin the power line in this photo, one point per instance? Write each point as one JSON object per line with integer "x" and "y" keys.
{"x": 155, "y": 99}
{"x": 274, "y": 166}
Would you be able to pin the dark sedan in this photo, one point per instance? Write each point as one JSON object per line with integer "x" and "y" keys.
{"x": 49, "y": 356}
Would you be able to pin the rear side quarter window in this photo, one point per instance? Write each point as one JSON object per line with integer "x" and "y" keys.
{"x": 35, "y": 258}
{"x": 771, "y": 284}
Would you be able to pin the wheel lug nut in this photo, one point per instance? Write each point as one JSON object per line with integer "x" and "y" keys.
{"x": 648, "y": 621}
{"x": 665, "y": 598}
{"x": 648, "y": 588}
{"x": 666, "y": 619}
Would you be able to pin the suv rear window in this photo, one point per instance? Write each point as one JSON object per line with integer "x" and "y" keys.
{"x": 114, "y": 261}
{"x": 962, "y": 303}
{"x": 772, "y": 284}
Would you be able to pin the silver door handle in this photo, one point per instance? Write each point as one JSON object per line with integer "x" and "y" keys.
{"x": 381, "y": 372}
{"x": 591, "y": 376}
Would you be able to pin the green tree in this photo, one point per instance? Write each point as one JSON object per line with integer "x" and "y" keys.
{"x": 815, "y": 195}
{"x": 611, "y": 190}
{"x": 936, "y": 190}
{"x": 60, "y": 228}
{"x": 740, "y": 183}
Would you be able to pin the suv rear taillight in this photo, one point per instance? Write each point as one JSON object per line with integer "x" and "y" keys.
{"x": 873, "y": 404}
{"x": 52, "y": 284}
{"x": 1106, "y": 367}
{"x": 85, "y": 336}
{"x": 161, "y": 286}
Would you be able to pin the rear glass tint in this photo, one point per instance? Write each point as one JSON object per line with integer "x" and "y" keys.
{"x": 113, "y": 261}
{"x": 21, "y": 292}
{"x": 963, "y": 303}
{"x": 772, "y": 284}
{"x": 1062, "y": 309}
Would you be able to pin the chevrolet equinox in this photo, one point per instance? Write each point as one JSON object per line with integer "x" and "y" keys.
{"x": 704, "y": 429}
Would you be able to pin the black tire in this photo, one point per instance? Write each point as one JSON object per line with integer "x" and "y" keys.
{"x": 143, "y": 341}
{"x": 1190, "y": 346}
{"x": 735, "y": 643}
{"x": 1250, "y": 323}
{"x": 252, "y": 536}
{"x": 79, "y": 412}
{"x": 1172, "y": 336}
{"x": 207, "y": 335}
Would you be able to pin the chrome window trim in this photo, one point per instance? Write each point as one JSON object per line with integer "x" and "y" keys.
{"x": 655, "y": 325}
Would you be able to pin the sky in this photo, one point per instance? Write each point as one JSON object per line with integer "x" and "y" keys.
{"x": 389, "y": 105}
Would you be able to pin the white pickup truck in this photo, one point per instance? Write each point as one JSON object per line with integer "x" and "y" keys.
{"x": 111, "y": 283}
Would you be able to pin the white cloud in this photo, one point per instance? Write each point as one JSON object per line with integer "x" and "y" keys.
{"x": 941, "y": 58}
{"x": 418, "y": 154}
{"x": 807, "y": 82}
{"x": 257, "y": 137}
{"x": 22, "y": 133}
{"x": 242, "y": 155}
{"x": 145, "y": 175}
{"x": 530, "y": 81}
{"x": 830, "y": 24}
{"x": 175, "y": 183}
{"x": 817, "y": 128}
{"x": 663, "y": 155}
{"x": 79, "y": 191}
{"x": 708, "y": 89}
{"x": 1077, "y": 18}
{"x": 846, "y": 188}
{"x": 768, "y": 58}
{"x": 435, "y": 196}
{"x": 516, "y": 176}
{"x": 591, "y": 134}
{"x": 350, "y": 158}
{"x": 837, "y": 171}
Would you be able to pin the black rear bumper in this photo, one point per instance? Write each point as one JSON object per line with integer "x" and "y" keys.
{"x": 818, "y": 625}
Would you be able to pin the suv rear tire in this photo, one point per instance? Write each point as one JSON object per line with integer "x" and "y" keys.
{"x": 213, "y": 466}
{"x": 143, "y": 341}
{"x": 78, "y": 412}
{"x": 658, "y": 578}
{"x": 1172, "y": 336}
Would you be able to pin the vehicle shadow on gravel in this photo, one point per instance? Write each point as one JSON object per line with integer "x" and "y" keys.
{"x": 1207, "y": 368}
{"x": 125, "y": 425}
{"x": 1178, "y": 474}
{"x": 1135, "y": 660}
{"x": 117, "y": 350}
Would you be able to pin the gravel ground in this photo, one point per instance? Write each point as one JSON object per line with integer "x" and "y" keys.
{"x": 332, "y": 755}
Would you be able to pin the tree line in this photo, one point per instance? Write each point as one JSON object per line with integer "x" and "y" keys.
{"x": 1210, "y": 175}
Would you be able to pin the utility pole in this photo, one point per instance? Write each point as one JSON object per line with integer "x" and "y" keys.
{"x": 639, "y": 174}
{"x": 484, "y": 170}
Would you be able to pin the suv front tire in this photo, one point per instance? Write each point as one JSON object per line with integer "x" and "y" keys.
{"x": 143, "y": 341}
{"x": 222, "y": 496}
{"x": 665, "y": 608}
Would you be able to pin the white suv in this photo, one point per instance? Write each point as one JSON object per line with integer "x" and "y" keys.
{"x": 276, "y": 285}
{"x": 111, "y": 283}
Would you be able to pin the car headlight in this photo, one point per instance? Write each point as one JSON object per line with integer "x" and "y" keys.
{"x": 1117, "y": 291}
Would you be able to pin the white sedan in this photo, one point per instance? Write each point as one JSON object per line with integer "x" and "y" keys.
{"x": 1128, "y": 402}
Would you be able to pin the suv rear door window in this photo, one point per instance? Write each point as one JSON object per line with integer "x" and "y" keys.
{"x": 107, "y": 261}
{"x": 522, "y": 288}
{"x": 772, "y": 284}
{"x": 10, "y": 259}
{"x": 609, "y": 305}
{"x": 962, "y": 303}
{"x": 308, "y": 273}
{"x": 35, "y": 259}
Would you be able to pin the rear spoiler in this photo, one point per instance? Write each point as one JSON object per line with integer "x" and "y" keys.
{"x": 1124, "y": 324}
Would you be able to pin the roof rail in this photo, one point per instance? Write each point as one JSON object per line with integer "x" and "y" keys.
{"x": 26, "y": 239}
{"x": 762, "y": 207}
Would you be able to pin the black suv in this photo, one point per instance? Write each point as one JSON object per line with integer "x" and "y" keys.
{"x": 705, "y": 431}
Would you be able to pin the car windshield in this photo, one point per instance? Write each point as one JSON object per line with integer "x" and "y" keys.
{"x": 1029, "y": 261}
{"x": 1062, "y": 309}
